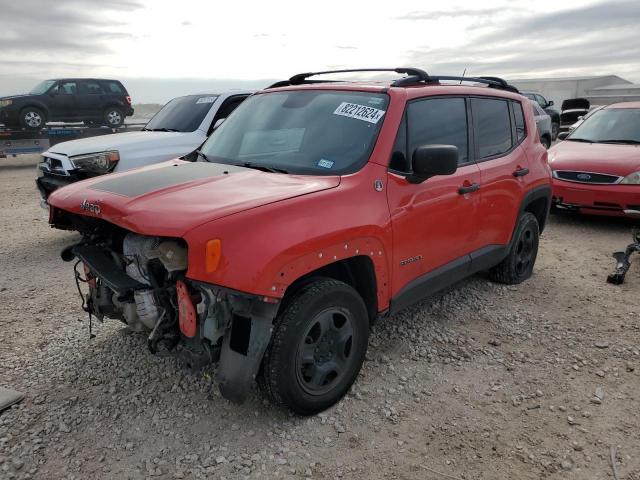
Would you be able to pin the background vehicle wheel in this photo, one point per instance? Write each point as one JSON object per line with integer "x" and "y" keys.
{"x": 518, "y": 265}
{"x": 546, "y": 141}
{"x": 32, "y": 118}
{"x": 317, "y": 347}
{"x": 555, "y": 130}
{"x": 113, "y": 117}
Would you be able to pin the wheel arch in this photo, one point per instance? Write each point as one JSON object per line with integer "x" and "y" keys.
{"x": 40, "y": 106}
{"x": 358, "y": 272}
{"x": 538, "y": 202}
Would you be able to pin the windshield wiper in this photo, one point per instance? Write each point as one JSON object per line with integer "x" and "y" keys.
{"x": 264, "y": 168}
{"x": 160, "y": 130}
{"x": 579, "y": 140}
{"x": 621, "y": 140}
{"x": 200, "y": 154}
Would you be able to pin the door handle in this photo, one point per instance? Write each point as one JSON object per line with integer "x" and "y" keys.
{"x": 474, "y": 187}
{"x": 521, "y": 172}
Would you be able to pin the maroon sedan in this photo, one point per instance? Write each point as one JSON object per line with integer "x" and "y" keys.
{"x": 596, "y": 169}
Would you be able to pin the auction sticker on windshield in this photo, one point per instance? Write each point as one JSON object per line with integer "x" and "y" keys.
{"x": 206, "y": 100}
{"x": 360, "y": 112}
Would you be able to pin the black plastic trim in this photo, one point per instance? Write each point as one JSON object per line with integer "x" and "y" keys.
{"x": 442, "y": 277}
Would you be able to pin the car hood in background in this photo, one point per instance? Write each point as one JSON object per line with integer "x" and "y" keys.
{"x": 575, "y": 104}
{"x": 612, "y": 159}
{"x": 118, "y": 141}
{"x": 171, "y": 198}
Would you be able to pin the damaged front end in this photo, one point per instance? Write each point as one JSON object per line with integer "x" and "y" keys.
{"x": 141, "y": 280}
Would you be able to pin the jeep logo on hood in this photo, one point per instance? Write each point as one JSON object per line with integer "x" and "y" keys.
{"x": 90, "y": 207}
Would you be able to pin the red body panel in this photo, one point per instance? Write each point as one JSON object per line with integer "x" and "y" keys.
{"x": 175, "y": 210}
{"x": 610, "y": 159}
{"x": 608, "y": 200}
{"x": 275, "y": 228}
{"x": 432, "y": 223}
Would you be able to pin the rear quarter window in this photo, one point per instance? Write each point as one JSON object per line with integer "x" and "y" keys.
{"x": 518, "y": 114}
{"x": 493, "y": 126}
{"x": 114, "y": 87}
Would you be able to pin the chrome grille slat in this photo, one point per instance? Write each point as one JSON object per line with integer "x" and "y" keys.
{"x": 586, "y": 177}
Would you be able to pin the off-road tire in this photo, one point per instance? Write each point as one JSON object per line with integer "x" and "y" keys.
{"x": 32, "y": 118}
{"x": 513, "y": 270}
{"x": 113, "y": 117}
{"x": 280, "y": 374}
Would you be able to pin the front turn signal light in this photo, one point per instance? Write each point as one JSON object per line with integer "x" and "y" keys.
{"x": 213, "y": 254}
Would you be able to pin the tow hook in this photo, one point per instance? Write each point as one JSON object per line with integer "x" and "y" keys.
{"x": 187, "y": 318}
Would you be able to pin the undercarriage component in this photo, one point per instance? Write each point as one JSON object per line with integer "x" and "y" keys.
{"x": 623, "y": 260}
{"x": 141, "y": 281}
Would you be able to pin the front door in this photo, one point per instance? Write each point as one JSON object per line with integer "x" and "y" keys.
{"x": 435, "y": 222}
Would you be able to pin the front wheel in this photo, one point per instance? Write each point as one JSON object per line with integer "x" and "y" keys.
{"x": 32, "y": 118}
{"x": 518, "y": 266}
{"x": 113, "y": 117}
{"x": 555, "y": 130}
{"x": 317, "y": 347}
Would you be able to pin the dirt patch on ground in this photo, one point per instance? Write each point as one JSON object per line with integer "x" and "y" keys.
{"x": 482, "y": 381}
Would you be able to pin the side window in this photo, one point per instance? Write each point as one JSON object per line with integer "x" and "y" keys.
{"x": 439, "y": 121}
{"x": 493, "y": 126}
{"x": 541, "y": 101}
{"x": 114, "y": 87}
{"x": 66, "y": 88}
{"x": 521, "y": 129}
{"x": 399, "y": 160}
{"x": 93, "y": 88}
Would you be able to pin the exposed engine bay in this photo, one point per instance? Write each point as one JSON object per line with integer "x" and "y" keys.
{"x": 141, "y": 281}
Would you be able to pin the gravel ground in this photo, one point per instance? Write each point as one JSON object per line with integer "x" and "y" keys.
{"x": 483, "y": 381}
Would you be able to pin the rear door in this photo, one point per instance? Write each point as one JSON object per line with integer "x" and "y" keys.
{"x": 63, "y": 100}
{"x": 499, "y": 129}
{"x": 90, "y": 98}
{"x": 434, "y": 222}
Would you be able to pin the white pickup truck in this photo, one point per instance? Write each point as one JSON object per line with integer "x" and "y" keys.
{"x": 178, "y": 129}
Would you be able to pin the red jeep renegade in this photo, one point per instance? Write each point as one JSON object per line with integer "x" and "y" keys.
{"x": 314, "y": 209}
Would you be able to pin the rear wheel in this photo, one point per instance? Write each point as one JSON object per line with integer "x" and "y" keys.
{"x": 113, "y": 117}
{"x": 518, "y": 266}
{"x": 32, "y": 118}
{"x": 555, "y": 130}
{"x": 317, "y": 347}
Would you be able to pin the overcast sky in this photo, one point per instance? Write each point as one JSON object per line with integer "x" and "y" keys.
{"x": 164, "y": 48}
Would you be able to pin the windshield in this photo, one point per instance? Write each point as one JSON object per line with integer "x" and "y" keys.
{"x": 609, "y": 125}
{"x": 42, "y": 87}
{"x": 182, "y": 114}
{"x": 306, "y": 132}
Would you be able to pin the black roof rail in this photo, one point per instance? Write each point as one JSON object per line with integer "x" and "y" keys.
{"x": 414, "y": 75}
{"x": 492, "y": 82}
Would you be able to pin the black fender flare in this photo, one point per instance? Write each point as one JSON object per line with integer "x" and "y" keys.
{"x": 536, "y": 193}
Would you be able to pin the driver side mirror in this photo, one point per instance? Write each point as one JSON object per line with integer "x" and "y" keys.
{"x": 550, "y": 103}
{"x": 563, "y": 135}
{"x": 431, "y": 160}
